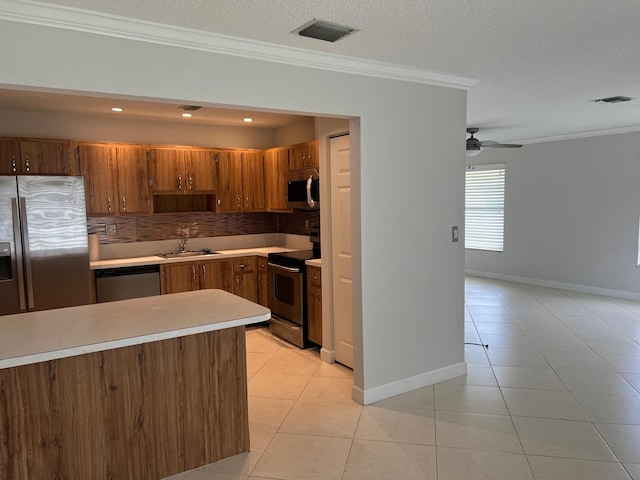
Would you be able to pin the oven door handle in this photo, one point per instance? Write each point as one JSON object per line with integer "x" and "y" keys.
{"x": 288, "y": 269}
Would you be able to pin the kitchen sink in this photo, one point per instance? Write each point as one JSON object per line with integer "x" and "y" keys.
{"x": 192, "y": 253}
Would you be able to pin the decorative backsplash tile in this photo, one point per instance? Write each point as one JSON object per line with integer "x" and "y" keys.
{"x": 177, "y": 225}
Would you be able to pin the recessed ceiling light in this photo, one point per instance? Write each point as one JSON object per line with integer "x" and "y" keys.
{"x": 116, "y": 109}
{"x": 247, "y": 120}
{"x": 187, "y": 115}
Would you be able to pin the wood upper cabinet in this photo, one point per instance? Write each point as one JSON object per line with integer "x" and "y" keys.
{"x": 177, "y": 170}
{"x": 241, "y": 181}
{"x": 276, "y": 167}
{"x": 263, "y": 291}
{"x": 304, "y": 155}
{"x": 245, "y": 278}
{"x": 253, "y": 181}
{"x": 116, "y": 178}
{"x": 314, "y": 304}
{"x": 37, "y": 157}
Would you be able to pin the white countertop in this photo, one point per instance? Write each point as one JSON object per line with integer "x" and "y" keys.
{"x": 27, "y": 338}
{"x": 315, "y": 262}
{"x": 155, "y": 260}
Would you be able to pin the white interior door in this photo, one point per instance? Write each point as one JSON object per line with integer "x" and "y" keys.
{"x": 341, "y": 249}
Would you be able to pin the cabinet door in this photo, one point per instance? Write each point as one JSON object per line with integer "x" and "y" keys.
{"x": 10, "y": 156}
{"x": 41, "y": 157}
{"x": 276, "y": 166}
{"x": 216, "y": 274}
{"x": 263, "y": 291}
{"x": 314, "y": 305}
{"x": 133, "y": 180}
{"x": 167, "y": 170}
{"x": 296, "y": 157}
{"x": 245, "y": 278}
{"x": 200, "y": 171}
{"x": 310, "y": 156}
{"x": 253, "y": 181}
{"x": 179, "y": 278}
{"x": 98, "y": 165}
{"x": 229, "y": 182}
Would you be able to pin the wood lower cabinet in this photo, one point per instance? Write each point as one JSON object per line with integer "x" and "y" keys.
{"x": 116, "y": 178}
{"x": 303, "y": 156}
{"x": 241, "y": 181}
{"x": 20, "y": 156}
{"x": 235, "y": 275}
{"x": 276, "y": 167}
{"x": 245, "y": 272}
{"x": 183, "y": 170}
{"x": 314, "y": 304}
{"x": 189, "y": 276}
{"x": 263, "y": 291}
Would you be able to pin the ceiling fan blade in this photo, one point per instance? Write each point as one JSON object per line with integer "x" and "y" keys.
{"x": 492, "y": 144}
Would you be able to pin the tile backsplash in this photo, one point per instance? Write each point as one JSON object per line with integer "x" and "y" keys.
{"x": 194, "y": 225}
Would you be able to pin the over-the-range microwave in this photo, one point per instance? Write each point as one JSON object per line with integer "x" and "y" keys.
{"x": 303, "y": 189}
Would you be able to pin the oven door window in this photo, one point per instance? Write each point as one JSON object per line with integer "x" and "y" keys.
{"x": 284, "y": 289}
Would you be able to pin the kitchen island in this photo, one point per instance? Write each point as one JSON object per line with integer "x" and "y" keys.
{"x": 141, "y": 388}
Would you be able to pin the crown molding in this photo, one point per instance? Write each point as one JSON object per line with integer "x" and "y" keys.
{"x": 574, "y": 136}
{"x": 128, "y": 28}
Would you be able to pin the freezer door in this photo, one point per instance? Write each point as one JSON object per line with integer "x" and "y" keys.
{"x": 54, "y": 233}
{"x": 12, "y": 291}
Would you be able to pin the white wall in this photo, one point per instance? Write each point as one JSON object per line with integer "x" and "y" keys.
{"x": 571, "y": 214}
{"x": 298, "y": 132}
{"x": 408, "y": 168}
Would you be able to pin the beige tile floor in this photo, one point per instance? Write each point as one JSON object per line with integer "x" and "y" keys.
{"x": 556, "y": 396}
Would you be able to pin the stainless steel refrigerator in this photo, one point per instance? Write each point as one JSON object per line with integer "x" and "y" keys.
{"x": 44, "y": 255}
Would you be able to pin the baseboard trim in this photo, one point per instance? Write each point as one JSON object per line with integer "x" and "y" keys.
{"x": 369, "y": 396}
{"x": 328, "y": 356}
{"x": 560, "y": 285}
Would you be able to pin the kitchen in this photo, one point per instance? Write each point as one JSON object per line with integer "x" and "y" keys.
{"x": 134, "y": 221}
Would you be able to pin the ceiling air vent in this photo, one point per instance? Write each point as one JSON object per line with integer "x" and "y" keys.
{"x": 189, "y": 108}
{"x": 327, "y": 31}
{"x": 617, "y": 99}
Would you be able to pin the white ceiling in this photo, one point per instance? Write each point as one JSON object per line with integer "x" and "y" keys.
{"x": 539, "y": 63}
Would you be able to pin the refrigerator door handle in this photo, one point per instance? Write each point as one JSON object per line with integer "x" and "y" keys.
{"x": 27, "y": 251}
{"x": 18, "y": 247}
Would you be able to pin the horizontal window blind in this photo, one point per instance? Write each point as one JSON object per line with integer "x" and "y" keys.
{"x": 484, "y": 207}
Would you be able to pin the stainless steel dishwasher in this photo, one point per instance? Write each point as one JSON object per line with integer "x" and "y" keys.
{"x": 127, "y": 282}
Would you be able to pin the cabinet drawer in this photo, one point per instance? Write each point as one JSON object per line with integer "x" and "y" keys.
{"x": 314, "y": 276}
{"x": 262, "y": 264}
{"x": 244, "y": 264}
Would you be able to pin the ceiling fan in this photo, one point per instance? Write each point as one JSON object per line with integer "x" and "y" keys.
{"x": 475, "y": 146}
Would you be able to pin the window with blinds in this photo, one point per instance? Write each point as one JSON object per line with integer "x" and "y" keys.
{"x": 484, "y": 207}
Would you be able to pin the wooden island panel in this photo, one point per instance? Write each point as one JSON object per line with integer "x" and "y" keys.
{"x": 144, "y": 411}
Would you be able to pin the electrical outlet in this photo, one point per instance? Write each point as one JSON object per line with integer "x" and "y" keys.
{"x": 454, "y": 233}
{"x": 111, "y": 229}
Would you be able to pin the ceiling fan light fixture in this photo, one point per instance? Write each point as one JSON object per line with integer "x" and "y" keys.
{"x": 327, "y": 31}
{"x": 473, "y": 152}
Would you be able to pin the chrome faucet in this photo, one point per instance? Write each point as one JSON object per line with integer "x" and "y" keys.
{"x": 183, "y": 244}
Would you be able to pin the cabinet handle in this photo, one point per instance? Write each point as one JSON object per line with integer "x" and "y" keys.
{"x": 190, "y": 182}
{"x": 179, "y": 182}
{"x": 14, "y": 167}
{"x": 246, "y": 202}
{"x": 193, "y": 272}
{"x": 109, "y": 204}
{"x": 238, "y": 198}
{"x": 27, "y": 165}
{"x": 317, "y": 297}
{"x": 238, "y": 280}
{"x": 124, "y": 204}
{"x": 241, "y": 265}
{"x": 204, "y": 272}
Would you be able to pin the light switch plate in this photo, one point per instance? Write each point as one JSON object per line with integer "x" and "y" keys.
{"x": 454, "y": 233}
